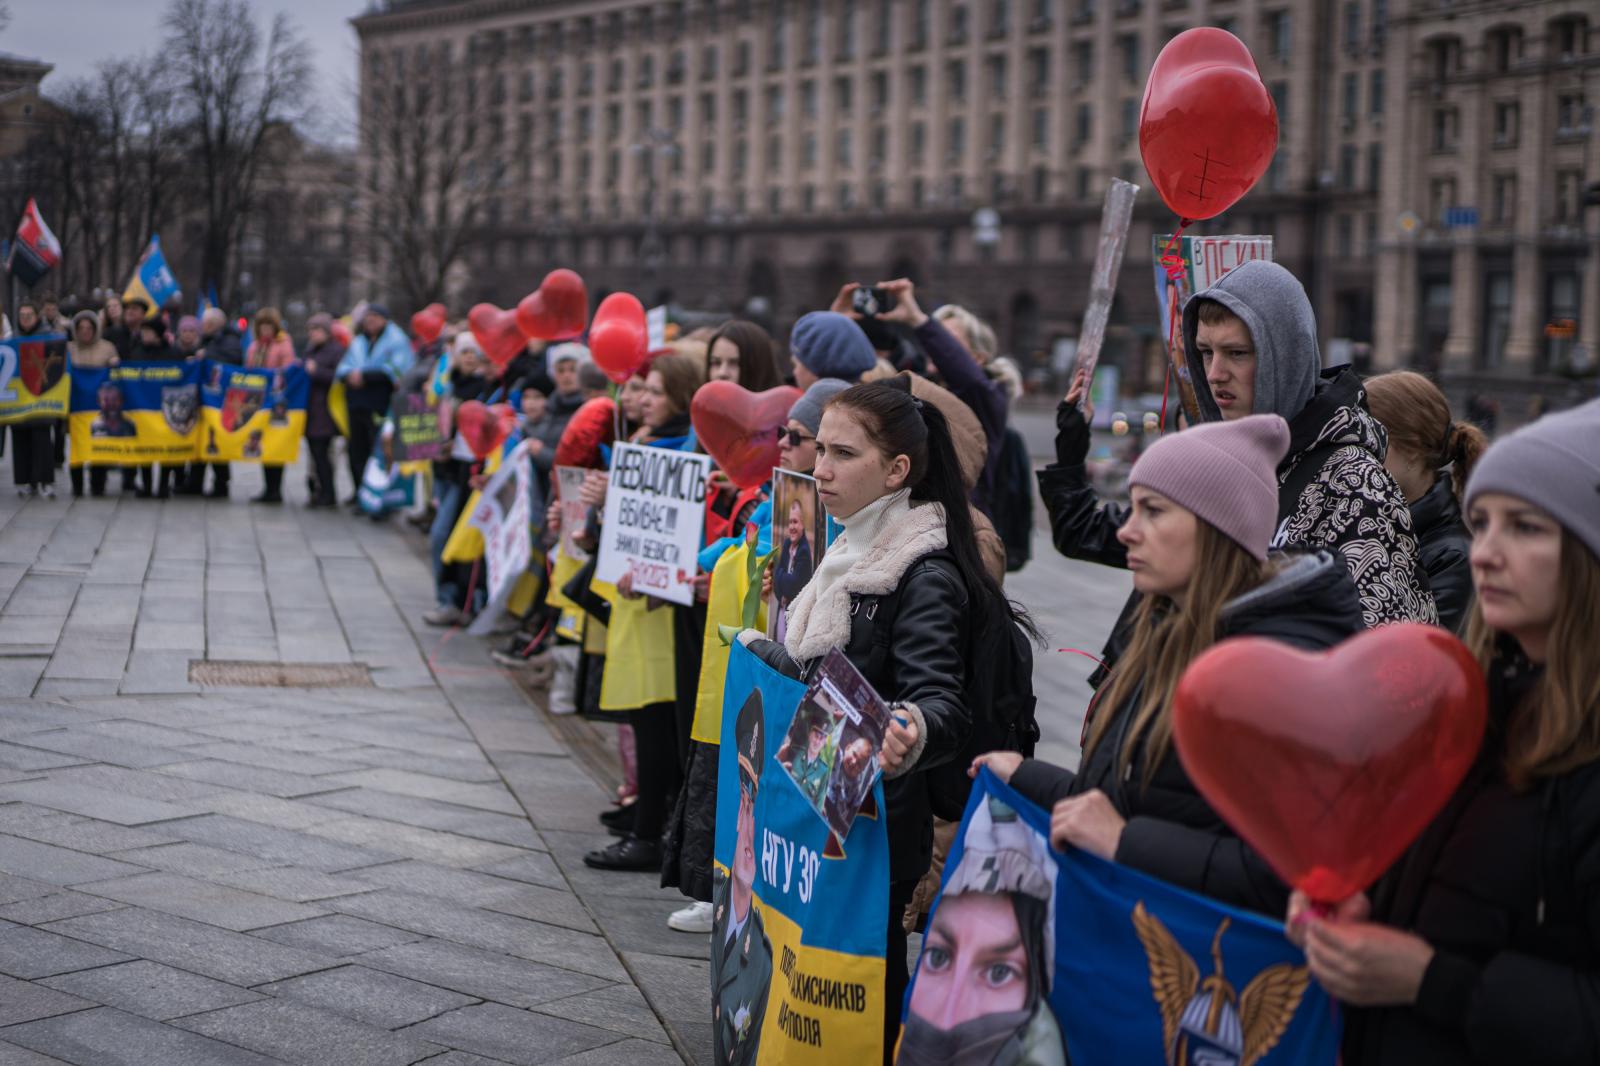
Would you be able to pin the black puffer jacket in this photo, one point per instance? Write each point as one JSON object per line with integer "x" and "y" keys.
{"x": 1446, "y": 545}
{"x": 1172, "y": 833}
{"x": 1505, "y": 886}
{"x": 908, "y": 579}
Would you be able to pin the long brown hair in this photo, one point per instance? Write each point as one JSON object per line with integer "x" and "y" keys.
{"x": 758, "y": 366}
{"x": 1556, "y": 728}
{"x": 1166, "y": 639}
{"x": 681, "y": 375}
{"x": 1418, "y": 419}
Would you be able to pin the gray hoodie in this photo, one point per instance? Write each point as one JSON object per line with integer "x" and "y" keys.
{"x": 1273, "y": 305}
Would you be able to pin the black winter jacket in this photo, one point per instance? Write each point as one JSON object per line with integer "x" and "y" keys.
{"x": 1172, "y": 833}
{"x": 1505, "y": 886}
{"x": 1445, "y": 544}
{"x": 921, "y": 661}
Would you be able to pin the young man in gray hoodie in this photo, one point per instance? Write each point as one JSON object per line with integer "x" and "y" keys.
{"x": 1251, "y": 346}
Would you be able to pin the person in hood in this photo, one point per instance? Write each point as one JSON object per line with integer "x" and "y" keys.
{"x": 322, "y": 354}
{"x": 1251, "y": 344}
{"x": 375, "y": 360}
{"x": 1430, "y": 457}
{"x": 88, "y": 350}
{"x": 1483, "y": 943}
{"x": 1205, "y": 504}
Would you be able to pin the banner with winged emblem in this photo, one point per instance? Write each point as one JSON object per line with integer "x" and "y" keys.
{"x": 797, "y": 943}
{"x": 252, "y": 415}
{"x": 1042, "y": 957}
{"x": 33, "y": 378}
{"x": 135, "y": 413}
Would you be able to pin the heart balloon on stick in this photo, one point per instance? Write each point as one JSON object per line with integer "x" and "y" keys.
{"x": 557, "y": 310}
{"x": 428, "y": 323}
{"x": 497, "y": 333}
{"x": 740, "y": 428}
{"x": 1329, "y": 764}
{"x": 618, "y": 337}
{"x": 1208, "y": 127}
{"x": 485, "y": 428}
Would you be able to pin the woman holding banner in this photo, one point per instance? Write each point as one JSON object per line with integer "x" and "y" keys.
{"x": 1483, "y": 944}
{"x": 1204, "y": 509}
{"x": 32, "y": 451}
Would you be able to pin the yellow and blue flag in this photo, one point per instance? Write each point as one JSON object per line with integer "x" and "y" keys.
{"x": 33, "y": 378}
{"x": 135, "y": 413}
{"x": 152, "y": 280}
{"x": 252, "y": 414}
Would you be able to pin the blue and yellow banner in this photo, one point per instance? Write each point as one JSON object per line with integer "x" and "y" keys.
{"x": 253, "y": 415}
{"x": 1088, "y": 962}
{"x": 135, "y": 413}
{"x": 152, "y": 281}
{"x": 33, "y": 377}
{"x": 797, "y": 946}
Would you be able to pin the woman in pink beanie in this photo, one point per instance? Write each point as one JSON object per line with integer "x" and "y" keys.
{"x": 1205, "y": 505}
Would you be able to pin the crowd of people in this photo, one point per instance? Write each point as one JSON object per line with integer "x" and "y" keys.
{"x": 1305, "y": 506}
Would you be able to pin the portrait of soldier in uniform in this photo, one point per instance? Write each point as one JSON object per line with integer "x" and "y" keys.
{"x": 741, "y": 954}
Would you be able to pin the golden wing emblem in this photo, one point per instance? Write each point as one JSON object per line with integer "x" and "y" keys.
{"x": 1174, "y": 978}
{"x": 1267, "y": 1006}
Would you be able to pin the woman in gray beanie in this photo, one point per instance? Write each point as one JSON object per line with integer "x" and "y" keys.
{"x": 1500, "y": 898}
{"x": 1205, "y": 504}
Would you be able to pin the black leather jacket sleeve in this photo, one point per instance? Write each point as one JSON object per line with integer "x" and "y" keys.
{"x": 1450, "y": 578}
{"x": 926, "y": 655}
{"x": 1222, "y": 867}
{"x": 1080, "y": 525}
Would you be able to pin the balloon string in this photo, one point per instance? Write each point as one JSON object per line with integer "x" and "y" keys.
{"x": 1166, "y": 388}
{"x": 1171, "y": 260}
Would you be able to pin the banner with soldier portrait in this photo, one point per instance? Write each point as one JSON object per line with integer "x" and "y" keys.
{"x": 1088, "y": 962}
{"x": 135, "y": 413}
{"x": 33, "y": 377}
{"x": 252, "y": 415}
{"x": 797, "y": 944}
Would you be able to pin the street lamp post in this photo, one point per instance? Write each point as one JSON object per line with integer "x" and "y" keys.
{"x": 656, "y": 142}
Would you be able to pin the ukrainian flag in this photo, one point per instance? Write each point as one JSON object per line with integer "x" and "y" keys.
{"x": 152, "y": 280}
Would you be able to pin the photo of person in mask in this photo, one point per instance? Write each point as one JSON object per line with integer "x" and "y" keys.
{"x": 982, "y": 987}
{"x": 741, "y": 954}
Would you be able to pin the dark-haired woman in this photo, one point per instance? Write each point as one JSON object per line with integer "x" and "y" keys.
{"x": 742, "y": 352}
{"x": 31, "y": 456}
{"x": 908, "y": 557}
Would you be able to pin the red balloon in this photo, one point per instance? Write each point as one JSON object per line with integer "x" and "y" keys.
{"x": 1331, "y": 763}
{"x": 341, "y": 332}
{"x": 591, "y": 426}
{"x": 428, "y": 323}
{"x": 618, "y": 338}
{"x": 557, "y": 311}
{"x": 497, "y": 333}
{"x": 739, "y": 428}
{"x": 485, "y": 428}
{"x": 1208, "y": 127}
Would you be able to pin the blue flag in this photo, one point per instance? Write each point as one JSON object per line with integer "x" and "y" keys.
{"x": 152, "y": 281}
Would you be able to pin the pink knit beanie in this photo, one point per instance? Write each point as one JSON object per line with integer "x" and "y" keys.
{"x": 1225, "y": 472}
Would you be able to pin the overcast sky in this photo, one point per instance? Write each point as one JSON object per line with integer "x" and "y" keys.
{"x": 77, "y": 34}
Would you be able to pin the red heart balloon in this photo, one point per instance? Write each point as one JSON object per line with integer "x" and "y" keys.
{"x": 341, "y": 332}
{"x": 485, "y": 428}
{"x": 1331, "y": 763}
{"x": 739, "y": 428}
{"x": 497, "y": 333}
{"x": 557, "y": 311}
{"x": 428, "y": 323}
{"x": 618, "y": 338}
{"x": 1208, "y": 127}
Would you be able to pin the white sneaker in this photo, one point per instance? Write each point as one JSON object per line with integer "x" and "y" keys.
{"x": 24, "y": 491}
{"x": 48, "y": 491}
{"x": 695, "y": 918}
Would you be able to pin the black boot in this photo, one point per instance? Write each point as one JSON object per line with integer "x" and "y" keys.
{"x": 629, "y": 853}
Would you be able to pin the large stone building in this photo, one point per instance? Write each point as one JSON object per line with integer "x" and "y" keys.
{"x": 752, "y": 155}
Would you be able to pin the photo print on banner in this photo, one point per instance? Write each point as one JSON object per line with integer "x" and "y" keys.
{"x": 831, "y": 748}
{"x": 800, "y": 536}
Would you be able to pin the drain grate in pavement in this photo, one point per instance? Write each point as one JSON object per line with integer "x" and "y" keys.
{"x": 246, "y": 674}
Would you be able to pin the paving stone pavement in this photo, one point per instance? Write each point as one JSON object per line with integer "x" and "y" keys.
{"x": 329, "y": 877}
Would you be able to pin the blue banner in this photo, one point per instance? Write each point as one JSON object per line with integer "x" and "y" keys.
{"x": 1047, "y": 957}
{"x": 797, "y": 949}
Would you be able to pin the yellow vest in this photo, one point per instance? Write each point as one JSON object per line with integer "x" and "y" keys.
{"x": 730, "y": 580}
{"x": 640, "y": 669}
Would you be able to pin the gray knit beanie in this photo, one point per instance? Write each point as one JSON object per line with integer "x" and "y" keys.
{"x": 1554, "y": 464}
{"x": 831, "y": 345}
{"x": 1225, "y": 472}
{"x": 807, "y": 410}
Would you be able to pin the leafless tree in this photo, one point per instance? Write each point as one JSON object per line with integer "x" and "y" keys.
{"x": 235, "y": 86}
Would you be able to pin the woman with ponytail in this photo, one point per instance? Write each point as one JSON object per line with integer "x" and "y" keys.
{"x": 908, "y": 559}
{"x": 1430, "y": 456}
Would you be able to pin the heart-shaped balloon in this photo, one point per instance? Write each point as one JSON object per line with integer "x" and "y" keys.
{"x": 497, "y": 333}
{"x": 428, "y": 323}
{"x": 485, "y": 428}
{"x": 341, "y": 332}
{"x": 1208, "y": 127}
{"x": 618, "y": 338}
{"x": 740, "y": 428}
{"x": 1331, "y": 763}
{"x": 557, "y": 310}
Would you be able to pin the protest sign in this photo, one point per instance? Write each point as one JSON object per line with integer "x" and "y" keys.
{"x": 252, "y": 415}
{"x": 417, "y": 435}
{"x": 1102, "y": 964}
{"x": 1182, "y": 268}
{"x": 1115, "y": 218}
{"x": 831, "y": 750}
{"x": 655, "y": 513}
{"x": 797, "y": 944}
{"x": 574, "y": 512}
{"x": 135, "y": 413}
{"x": 33, "y": 377}
{"x": 503, "y": 516}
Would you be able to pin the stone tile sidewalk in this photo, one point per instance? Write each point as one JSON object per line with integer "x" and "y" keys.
{"x": 325, "y": 876}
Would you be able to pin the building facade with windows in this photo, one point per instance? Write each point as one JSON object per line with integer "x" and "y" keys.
{"x": 752, "y": 155}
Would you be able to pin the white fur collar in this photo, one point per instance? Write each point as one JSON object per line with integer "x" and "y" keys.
{"x": 819, "y": 618}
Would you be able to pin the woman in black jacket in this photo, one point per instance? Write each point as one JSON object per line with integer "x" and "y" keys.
{"x": 907, "y": 559}
{"x": 1483, "y": 943}
{"x": 1430, "y": 456}
{"x": 32, "y": 467}
{"x": 1204, "y": 508}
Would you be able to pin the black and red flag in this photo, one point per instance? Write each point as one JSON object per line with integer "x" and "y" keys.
{"x": 35, "y": 250}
